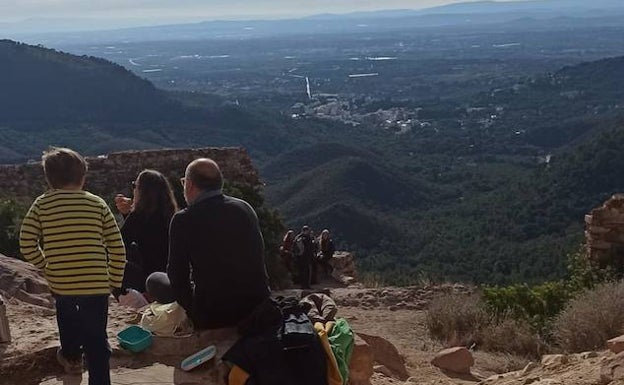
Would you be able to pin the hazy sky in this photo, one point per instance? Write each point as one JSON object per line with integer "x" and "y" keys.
{"x": 163, "y": 10}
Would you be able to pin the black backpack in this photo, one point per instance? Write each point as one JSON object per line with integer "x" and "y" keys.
{"x": 286, "y": 350}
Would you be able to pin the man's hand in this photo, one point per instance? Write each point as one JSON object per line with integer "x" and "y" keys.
{"x": 123, "y": 203}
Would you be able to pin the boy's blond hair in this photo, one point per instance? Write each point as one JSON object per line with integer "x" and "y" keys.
{"x": 63, "y": 167}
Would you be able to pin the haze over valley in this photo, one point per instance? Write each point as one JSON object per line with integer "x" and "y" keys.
{"x": 460, "y": 142}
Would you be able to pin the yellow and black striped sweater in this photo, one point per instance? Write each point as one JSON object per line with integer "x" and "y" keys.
{"x": 74, "y": 238}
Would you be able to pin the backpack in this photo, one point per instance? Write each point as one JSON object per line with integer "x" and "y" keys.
{"x": 299, "y": 246}
{"x": 280, "y": 348}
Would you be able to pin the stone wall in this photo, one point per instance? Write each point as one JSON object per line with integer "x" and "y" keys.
{"x": 605, "y": 232}
{"x": 113, "y": 173}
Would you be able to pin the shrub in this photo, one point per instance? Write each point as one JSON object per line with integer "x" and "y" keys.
{"x": 583, "y": 274}
{"x": 11, "y": 215}
{"x": 460, "y": 320}
{"x": 591, "y": 319}
{"x": 512, "y": 336}
{"x": 502, "y": 363}
{"x": 456, "y": 320}
{"x": 537, "y": 305}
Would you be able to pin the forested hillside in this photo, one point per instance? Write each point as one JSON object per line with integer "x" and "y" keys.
{"x": 496, "y": 195}
{"x": 50, "y": 98}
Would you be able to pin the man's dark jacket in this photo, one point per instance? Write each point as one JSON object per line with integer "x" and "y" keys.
{"x": 216, "y": 261}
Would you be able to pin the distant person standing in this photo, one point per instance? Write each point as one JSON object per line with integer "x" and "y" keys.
{"x": 286, "y": 250}
{"x": 216, "y": 269}
{"x": 304, "y": 249}
{"x": 72, "y": 236}
{"x": 325, "y": 253}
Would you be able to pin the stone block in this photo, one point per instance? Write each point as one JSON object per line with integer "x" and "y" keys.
{"x": 457, "y": 360}
{"x": 616, "y": 345}
{"x": 612, "y": 370}
{"x": 554, "y": 360}
{"x": 386, "y": 354}
{"x": 362, "y": 363}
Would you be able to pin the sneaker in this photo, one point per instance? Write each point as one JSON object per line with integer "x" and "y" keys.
{"x": 70, "y": 366}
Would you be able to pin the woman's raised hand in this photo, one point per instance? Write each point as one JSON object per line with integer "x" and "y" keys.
{"x": 123, "y": 203}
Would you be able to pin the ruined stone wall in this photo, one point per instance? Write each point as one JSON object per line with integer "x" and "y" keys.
{"x": 113, "y": 173}
{"x": 605, "y": 232}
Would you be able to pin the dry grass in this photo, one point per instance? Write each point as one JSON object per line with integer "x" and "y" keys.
{"x": 591, "y": 319}
{"x": 500, "y": 363}
{"x": 456, "y": 320}
{"x": 513, "y": 337}
{"x": 460, "y": 320}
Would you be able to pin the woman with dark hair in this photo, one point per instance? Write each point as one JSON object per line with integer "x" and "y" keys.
{"x": 145, "y": 230}
{"x": 324, "y": 255}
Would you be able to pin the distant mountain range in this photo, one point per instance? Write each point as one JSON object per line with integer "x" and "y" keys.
{"x": 467, "y": 14}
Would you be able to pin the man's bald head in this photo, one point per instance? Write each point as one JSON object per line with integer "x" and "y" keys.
{"x": 205, "y": 174}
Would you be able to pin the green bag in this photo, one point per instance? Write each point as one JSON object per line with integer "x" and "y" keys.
{"x": 342, "y": 341}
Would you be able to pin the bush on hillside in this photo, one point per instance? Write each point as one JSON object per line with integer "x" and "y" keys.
{"x": 11, "y": 215}
{"x": 537, "y": 305}
{"x": 512, "y": 336}
{"x": 457, "y": 320}
{"x": 591, "y": 319}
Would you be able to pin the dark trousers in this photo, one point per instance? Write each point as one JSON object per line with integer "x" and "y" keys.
{"x": 134, "y": 277}
{"x": 304, "y": 267}
{"x": 82, "y": 328}
{"x": 322, "y": 262}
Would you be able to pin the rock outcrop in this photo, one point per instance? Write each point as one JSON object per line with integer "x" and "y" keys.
{"x": 395, "y": 298}
{"x": 386, "y": 354}
{"x": 605, "y": 232}
{"x": 616, "y": 345}
{"x": 24, "y": 282}
{"x": 344, "y": 267}
{"x": 612, "y": 369}
{"x": 111, "y": 174}
{"x": 362, "y": 363}
{"x": 456, "y": 360}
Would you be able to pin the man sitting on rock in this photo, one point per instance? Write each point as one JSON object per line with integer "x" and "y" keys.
{"x": 216, "y": 269}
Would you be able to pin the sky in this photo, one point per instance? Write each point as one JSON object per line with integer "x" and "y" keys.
{"x": 158, "y": 11}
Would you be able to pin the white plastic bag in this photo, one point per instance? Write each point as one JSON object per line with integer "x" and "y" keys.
{"x": 165, "y": 320}
{"x": 133, "y": 299}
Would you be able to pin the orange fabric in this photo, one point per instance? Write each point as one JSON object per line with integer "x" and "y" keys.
{"x": 237, "y": 376}
{"x": 333, "y": 374}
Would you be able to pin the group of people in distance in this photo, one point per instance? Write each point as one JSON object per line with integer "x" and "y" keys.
{"x": 303, "y": 254}
{"x": 208, "y": 257}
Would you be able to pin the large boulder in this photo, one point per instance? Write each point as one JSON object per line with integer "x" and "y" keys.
{"x": 554, "y": 360}
{"x": 362, "y": 363}
{"x": 386, "y": 354}
{"x": 456, "y": 360}
{"x": 612, "y": 369}
{"x": 344, "y": 267}
{"x": 21, "y": 280}
{"x": 616, "y": 345}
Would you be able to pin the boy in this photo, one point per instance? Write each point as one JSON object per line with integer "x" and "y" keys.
{"x": 72, "y": 236}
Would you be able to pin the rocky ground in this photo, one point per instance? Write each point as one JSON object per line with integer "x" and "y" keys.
{"x": 391, "y": 320}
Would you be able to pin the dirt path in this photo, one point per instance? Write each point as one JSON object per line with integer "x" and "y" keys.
{"x": 30, "y": 358}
